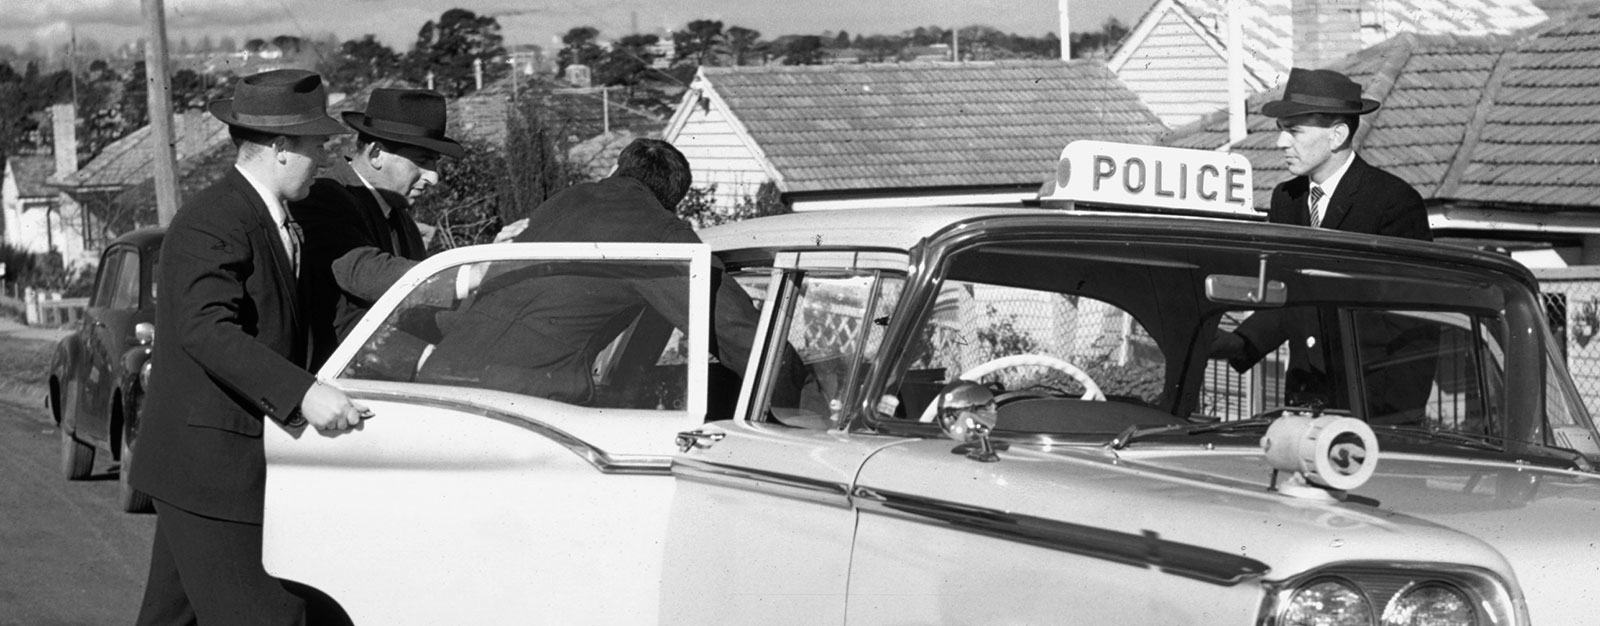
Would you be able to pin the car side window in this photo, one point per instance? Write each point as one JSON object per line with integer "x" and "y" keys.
{"x": 112, "y": 268}
{"x": 831, "y": 328}
{"x": 597, "y": 333}
{"x": 126, "y": 293}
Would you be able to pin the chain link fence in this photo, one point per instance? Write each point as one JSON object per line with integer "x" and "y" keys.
{"x": 1572, "y": 305}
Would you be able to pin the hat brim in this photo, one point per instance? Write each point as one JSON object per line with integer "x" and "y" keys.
{"x": 444, "y": 145}
{"x": 323, "y": 125}
{"x": 1286, "y": 108}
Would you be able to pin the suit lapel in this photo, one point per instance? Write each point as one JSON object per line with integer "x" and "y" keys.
{"x": 1345, "y": 196}
{"x": 268, "y": 229}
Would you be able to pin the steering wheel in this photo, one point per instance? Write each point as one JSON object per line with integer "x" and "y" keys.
{"x": 1091, "y": 390}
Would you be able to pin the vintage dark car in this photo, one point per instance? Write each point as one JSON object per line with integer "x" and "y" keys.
{"x": 96, "y": 373}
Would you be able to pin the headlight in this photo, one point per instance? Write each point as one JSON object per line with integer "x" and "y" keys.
{"x": 1430, "y": 604}
{"x": 1329, "y": 602}
{"x": 1393, "y": 593}
{"x": 144, "y": 376}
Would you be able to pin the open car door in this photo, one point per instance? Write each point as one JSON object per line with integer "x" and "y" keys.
{"x": 517, "y": 467}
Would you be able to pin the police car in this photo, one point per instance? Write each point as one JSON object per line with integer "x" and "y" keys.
{"x": 968, "y": 416}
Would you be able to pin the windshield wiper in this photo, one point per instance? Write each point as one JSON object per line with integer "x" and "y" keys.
{"x": 1134, "y": 432}
{"x": 1488, "y": 443}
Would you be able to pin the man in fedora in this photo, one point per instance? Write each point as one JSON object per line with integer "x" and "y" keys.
{"x": 1332, "y": 186}
{"x": 231, "y": 358}
{"x": 360, "y": 236}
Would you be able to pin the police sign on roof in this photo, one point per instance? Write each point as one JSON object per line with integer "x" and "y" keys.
{"x": 1177, "y": 179}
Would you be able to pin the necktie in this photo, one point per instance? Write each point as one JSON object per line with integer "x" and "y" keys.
{"x": 296, "y": 238}
{"x": 1316, "y": 214}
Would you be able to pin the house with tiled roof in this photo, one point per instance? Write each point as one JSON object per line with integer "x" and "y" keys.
{"x": 846, "y": 136}
{"x": 1176, "y": 56}
{"x": 1500, "y": 135}
{"x": 36, "y": 216}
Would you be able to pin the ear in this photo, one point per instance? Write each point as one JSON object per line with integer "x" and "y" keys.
{"x": 1338, "y": 134}
{"x": 280, "y": 149}
{"x": 374, "y": 154}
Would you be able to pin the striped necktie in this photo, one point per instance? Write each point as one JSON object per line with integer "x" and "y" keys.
{"x": 1311, "y": 205}
{"x": 297, "y": 237}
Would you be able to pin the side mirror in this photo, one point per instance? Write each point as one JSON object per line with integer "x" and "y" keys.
{"x": 966, "y": 413}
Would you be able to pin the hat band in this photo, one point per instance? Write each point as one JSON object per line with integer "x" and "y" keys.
{"x": 1320, "y": 101}
{"x": 288, "y": 119}
{"x": 403, "y": 128}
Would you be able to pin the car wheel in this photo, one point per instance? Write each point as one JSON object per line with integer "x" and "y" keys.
{"x": 132, "y": 500}
{"x": 77, "y": 457}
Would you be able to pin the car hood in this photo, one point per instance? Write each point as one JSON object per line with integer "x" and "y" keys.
{"x": 1541, "y": 520}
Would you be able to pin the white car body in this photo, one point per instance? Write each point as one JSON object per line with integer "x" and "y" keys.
{"x": 457, "y": 504}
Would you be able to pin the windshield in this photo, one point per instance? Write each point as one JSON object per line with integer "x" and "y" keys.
{"x": 1084, "y": 340}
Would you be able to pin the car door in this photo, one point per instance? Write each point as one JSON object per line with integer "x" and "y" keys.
{"x": 108, "y": 326}
{"x": 480, "y": 492}
{"x": 762, "y": 522}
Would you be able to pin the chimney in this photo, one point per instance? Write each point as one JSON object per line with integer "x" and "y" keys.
{"x": 1325, "y": 31}
{"x": 64, "y": 124}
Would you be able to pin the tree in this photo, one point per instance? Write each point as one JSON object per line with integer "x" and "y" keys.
{"x": 1098, "y": 43}
{"x": 700, "y": 43}
{"x": 628, "y": 61}
{"x": 579, "y": 49}
{"x": 744, "y": 44}
{"x": 449, "y": 48}
{"x": 842, "y": 40}
{"x": 804, "y": 50}
{"x": 360, "y": 62}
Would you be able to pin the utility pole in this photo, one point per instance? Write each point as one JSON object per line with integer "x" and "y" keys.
{"x": 159, "y": 83}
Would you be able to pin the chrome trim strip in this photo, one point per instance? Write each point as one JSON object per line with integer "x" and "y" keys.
{"x": 658, "y": 465}
{"x": 1143, "y": 550}
{"x": 774, "y": 483}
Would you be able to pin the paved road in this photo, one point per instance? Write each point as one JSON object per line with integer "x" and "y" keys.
{"x": 67, "y": 555}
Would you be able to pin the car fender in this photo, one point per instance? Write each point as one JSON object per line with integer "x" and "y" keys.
{"x": 68, "y": 352}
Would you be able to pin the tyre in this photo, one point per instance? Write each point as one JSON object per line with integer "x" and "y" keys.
{"x": 132, "y": 500}
{"x": 77, "y": 457}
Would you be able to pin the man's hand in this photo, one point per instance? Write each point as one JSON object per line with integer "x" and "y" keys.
{"x": 329, "y": 410}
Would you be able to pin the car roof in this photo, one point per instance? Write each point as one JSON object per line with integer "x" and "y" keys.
{"x": 904, "y": 228}
{"x": 143, "y": 237}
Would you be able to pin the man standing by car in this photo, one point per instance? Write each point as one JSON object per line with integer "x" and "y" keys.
{"x": 360, "y": 237}
{"x": 1333, "y": 187}
{"x": 233, "y": 357}
{"x": 1336, "y": 189}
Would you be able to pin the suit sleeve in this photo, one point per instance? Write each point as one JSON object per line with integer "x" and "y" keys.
{"x": 213, "y": 258}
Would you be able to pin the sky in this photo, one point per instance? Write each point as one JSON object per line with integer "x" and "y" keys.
{"x": 395, "y": 22}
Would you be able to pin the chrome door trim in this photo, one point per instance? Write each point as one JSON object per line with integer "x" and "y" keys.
{"x": 1146, "y": 549}
{"x": 659, "y": 465}
{"x": 763, "y": 481}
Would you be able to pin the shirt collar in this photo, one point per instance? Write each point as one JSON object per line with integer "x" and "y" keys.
{"x": 1333, "y": 181}
{"x": 382, "y": 205}
{"x": 274, "y": 205}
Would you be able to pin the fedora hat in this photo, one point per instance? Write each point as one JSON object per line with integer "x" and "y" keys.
{"x": 281, "y": 102}
{"x": 1319, "y": 91}
{"x": 414, "y": 117}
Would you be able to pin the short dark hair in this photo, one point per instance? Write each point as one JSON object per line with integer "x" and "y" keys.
{"x": 240, "y": 135}
{"x": 1327, "y": 120}
{"x": 660, "y": 166}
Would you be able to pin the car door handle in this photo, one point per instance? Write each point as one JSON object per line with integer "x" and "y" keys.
{"x": 699, "y": 438}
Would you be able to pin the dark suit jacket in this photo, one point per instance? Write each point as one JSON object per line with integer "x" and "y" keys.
{"x": 352, "y": 254}
{"x": 1368, "y": 200}
{"x": 540, "y": 335}
{"x": 230, "y": 352}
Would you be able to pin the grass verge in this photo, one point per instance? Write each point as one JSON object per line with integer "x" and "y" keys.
{"x": 24, "y": 368}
